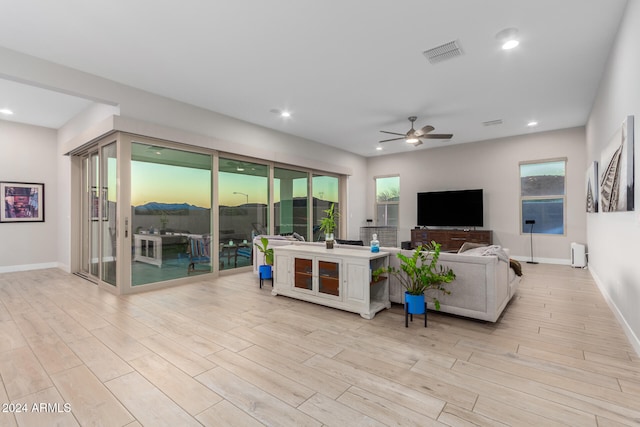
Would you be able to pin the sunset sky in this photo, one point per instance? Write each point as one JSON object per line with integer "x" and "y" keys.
{"x": 154, "y": 182}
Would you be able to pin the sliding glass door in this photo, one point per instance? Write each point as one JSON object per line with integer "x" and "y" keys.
{"x": 145, "y": 210}
{"x": 170, "y": 213}
{"x": 291, "y": 204}
{"x": 99, "y": 212}
{"x": 243, "y": 201}
{"x": 326, "y": 191}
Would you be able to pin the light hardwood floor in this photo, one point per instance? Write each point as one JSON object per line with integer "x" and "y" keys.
{"x": 224, "y": 352}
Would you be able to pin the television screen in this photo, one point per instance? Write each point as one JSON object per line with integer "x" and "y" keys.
{"x": 461, "y": 208}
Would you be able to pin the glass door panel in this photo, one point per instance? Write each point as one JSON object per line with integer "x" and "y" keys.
{"x": 171, "y": 213}
{"x": 325, "y": 192}
{"x": 329, "y": 278}
{"x": 107, "y": 208}
{"x": 92, "y": 215}
{"x": 291, "y": 202}
{"x": 303, "y": 273}
{"x": 243, "y": 198}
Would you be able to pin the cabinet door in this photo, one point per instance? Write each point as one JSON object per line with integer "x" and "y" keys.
{"x": 358, "y": 277}
{"x": 329, "y": 278}
{"x": 303, "y": 274}
{"x": 282, "y": 271}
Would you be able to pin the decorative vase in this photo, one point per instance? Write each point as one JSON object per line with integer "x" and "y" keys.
{"x": 265, "y": 271}
{"x": 415, "y": 303}
{"x": 328, "y": 238}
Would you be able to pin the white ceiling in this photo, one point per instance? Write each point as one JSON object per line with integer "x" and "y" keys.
{"x": 346, "y": 69}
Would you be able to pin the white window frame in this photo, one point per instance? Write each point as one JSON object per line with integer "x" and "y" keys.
{"x": 523, "y": 229}
{"x": 384, "y": 221}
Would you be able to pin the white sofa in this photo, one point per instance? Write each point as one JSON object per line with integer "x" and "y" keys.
{"x": 483, "y": 287}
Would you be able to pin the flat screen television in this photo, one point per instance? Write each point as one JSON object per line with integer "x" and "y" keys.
{"x": 460, "y": 208}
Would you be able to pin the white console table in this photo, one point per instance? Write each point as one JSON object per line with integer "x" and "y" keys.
{"x": 148, "y": 248}
{"x": 338, "y": 278}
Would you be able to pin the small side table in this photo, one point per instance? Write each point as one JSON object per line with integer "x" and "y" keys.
{"x": 261, "y": 279}
{"x": 408, "y": 316}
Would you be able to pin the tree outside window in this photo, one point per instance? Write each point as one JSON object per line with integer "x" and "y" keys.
{"x": 543, "y": 196}
{"x": 387, "y": 200}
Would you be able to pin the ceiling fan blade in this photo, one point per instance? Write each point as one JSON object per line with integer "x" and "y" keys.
{"x": 415, "y": 144}
{"x": 392, "y": 139}
{"x": 426, "y": 129}
{"x": 438, "y": 136}
{"x": 392, "y": 133}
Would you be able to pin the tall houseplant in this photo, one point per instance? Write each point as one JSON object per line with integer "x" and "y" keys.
{"x": 419, "y": 273}
{"x": 265, "y": 269}
{"x": 328, "y": 224}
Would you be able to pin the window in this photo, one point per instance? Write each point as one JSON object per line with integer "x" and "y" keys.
{"x": 387, "y": 200}
{"x": 243, "y": 206}
{"x": 543, "y": 196}
{"x": 290, "y": 201}
{"x": 325, "y": 190}
{"x": 170, "y": 203}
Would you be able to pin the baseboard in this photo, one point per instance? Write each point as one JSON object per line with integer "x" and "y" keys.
{"x": 633, "y": 338}
{"x": 558, "y": 261}
{"x": 28, "y": 267}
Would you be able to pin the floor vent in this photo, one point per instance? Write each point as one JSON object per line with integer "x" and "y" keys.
{"x": 443, "y": 52}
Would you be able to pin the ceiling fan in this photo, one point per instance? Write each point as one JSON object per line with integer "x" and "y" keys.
{"x": 415, "y": 136}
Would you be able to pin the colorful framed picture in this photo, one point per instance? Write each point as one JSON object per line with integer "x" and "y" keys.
{"x": 23, "y": 202}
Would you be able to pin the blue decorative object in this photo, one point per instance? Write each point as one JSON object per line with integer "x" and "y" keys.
{"x": 265, "y": 273}
{"x": 415, "y": 303}
{"x": 375, "y": 244}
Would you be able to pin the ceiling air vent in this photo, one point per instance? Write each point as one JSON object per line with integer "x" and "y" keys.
{"x": 492, "y": 122}
{"x": 445, "y": 51}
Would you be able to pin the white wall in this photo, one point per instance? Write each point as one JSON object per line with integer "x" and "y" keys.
{"x": 493, "y": 166}
{"x": 27, "y": 153}
{"x": 614, "y": 238}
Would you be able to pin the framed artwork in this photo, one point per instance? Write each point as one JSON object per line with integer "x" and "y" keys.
{"x": 616, "y": 175}
{"x": 23, "y": 202}
{"x": 592, "y": 191}
{"x": 95, "y": 204}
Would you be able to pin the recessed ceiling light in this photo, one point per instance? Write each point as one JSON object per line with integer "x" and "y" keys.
{"x": 6, "y": 111}
{"x": 281, "y": 113}
{"x": 379, "y": 148}
{"x": 510, "y": 44}
{"x": 532, "y": 123}
{"x": 508, "y": 38}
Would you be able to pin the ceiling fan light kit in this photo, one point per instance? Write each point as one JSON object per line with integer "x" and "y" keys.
{"x": 414, "y": 137}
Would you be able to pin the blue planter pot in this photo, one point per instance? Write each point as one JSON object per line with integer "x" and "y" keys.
{"x": 265, "y": 272}
{"x": 415, "y": 303}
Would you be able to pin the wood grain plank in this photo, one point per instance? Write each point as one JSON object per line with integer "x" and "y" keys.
{"x": 253, "y": 400}
{"x": 148, "y": 404}
{"x": 91, "y": 402}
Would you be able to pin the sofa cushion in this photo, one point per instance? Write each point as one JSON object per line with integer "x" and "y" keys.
{"x": 493, "y": 250}
{"x": 470, "y": 245}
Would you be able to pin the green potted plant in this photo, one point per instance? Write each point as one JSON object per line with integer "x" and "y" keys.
{"x": 265, "y": 269}
{"x": 328, "y": 225}
{"x": 418, "y": 274}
